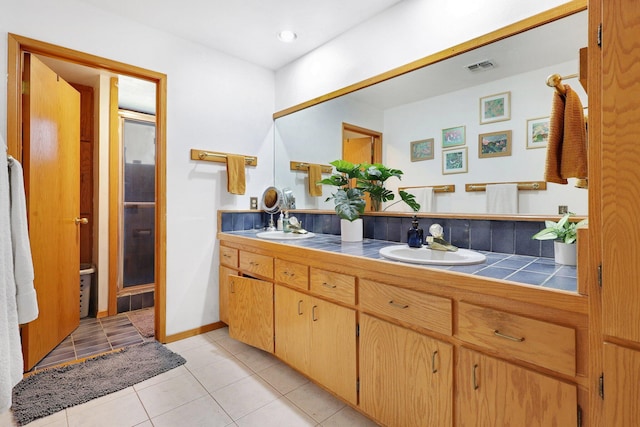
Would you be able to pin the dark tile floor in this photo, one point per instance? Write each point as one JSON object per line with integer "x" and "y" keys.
{"x": 92, "y": 337}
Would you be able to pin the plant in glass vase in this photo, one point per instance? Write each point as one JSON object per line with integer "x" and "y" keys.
{"x": 354, "y": 182}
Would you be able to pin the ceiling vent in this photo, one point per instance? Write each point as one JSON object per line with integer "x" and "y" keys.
{"x": 482, "y": 65}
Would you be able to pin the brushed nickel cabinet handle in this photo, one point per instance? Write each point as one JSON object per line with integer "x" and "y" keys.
{"x": 231, "y": 287}
{"x": 299, "y": 308}
{"x": 326, "y": 285}
{"x": 508, "y": 337}
{"x": 433, "y": 362}
{"x": 395, "y": 304}
{"x": 313, "y": 313}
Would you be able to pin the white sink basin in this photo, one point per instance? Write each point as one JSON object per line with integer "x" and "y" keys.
{"x": 281, "y": 235}
{"x": 428, "y": 256}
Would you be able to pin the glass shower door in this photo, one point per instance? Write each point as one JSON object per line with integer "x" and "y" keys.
{"x": 138, "y": 207}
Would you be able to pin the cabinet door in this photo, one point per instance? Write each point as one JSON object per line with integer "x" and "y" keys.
{"x": 223, "y": 290}
{"x": 292, "y": 326}
{"x": 619, "y": 171}
{"x": 496, "y": 393}
{"x": 621, "y": 386}
{"x": 333, "y": 348}
{"x": 405, "y": 377}
{"x": 251, "y": 312}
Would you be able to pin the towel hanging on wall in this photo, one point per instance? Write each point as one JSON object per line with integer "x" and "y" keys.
{"x": 315, "y": 175}
{"x": 236, "y": 182}
{"x": 502, "y": 198}
{"x": 17, "y": 295}
{"x": 567, "y": 145}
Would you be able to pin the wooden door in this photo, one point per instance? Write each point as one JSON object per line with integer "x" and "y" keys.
{"x": 406, "y": 378}
{"x": 491, "y": 392}
{"x": 333, "y": 348}
{"x": 621, "y": 386}
{"x": 251, "y": 312}
{"x": 51, "y": 156}
{"x": 358, "y": 150}
{"x": 292, "y": 327}
{"x": 620, "y": 172}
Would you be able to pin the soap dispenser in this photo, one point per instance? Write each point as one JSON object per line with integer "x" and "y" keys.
{"x": 279, "y": 222}
{"x": 415, "y": 235}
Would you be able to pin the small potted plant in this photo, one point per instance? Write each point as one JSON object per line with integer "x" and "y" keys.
{"x": 354, "y": 182}
{"x": 564, "y": 233}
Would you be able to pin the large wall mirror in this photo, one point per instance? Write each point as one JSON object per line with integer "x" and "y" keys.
{"x": 418, "y": 105}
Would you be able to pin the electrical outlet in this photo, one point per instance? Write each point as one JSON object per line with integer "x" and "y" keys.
{"x": 253, "y": 204}
{"x": 563, "y": 209}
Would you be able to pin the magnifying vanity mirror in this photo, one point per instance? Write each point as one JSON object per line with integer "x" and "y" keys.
{"x": 271, "y": 203}
{"x": 419, "y": 105}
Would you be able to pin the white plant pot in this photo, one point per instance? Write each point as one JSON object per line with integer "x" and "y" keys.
{"x": 351, "y": 231}
{"x": 565, "y": 253}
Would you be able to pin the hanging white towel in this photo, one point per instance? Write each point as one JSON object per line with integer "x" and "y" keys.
{"x": 27, "y": 303}
{"x": 502, "y": 198}
{"x": 423, "y": 195}
{"x": 11, "y": 364}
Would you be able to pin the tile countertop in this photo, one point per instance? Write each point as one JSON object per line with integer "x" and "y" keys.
{"x": 530, "y": 270}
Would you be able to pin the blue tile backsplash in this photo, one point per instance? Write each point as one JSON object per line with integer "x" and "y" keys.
{"x": 508, "y": 237}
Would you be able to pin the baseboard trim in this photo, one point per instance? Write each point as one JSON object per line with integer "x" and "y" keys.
{"x": 193, "y": 332}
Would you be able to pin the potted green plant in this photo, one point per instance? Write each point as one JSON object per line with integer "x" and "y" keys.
{"x": 354, "y": 181}
{"x": 564, "y": 233}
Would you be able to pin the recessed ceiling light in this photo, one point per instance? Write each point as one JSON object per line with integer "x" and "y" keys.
{"x": 287, "y": 36}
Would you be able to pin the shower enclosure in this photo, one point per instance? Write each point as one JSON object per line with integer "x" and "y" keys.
{"x": 138, "y": 133}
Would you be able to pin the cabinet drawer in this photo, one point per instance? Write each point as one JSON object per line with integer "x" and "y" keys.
{"x": 337, "y": 286}
{"x": 229, "y": 257}
{"x": 423, "y": 310}
{"x": 261, "y": 265}
{"x": 535, "y": 341}
{"x": 292, "y": 273}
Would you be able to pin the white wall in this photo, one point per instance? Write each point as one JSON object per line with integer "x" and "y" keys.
{"x": 214, "y": 102}
{"x": 410, "y": 30}
{"x": 530, "y": 98}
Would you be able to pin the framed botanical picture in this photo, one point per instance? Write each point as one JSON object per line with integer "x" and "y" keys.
{"x": 422, "y": 150}
{"x": 453, "y": 136}
{"x": 454, "y": 160}
{"x": 494, "y": 144}
{"x": 495, "y": 108}
{"x": 537, "y": 132}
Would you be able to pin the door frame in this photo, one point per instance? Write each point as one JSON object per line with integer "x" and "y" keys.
{"x": 17, "y": 45}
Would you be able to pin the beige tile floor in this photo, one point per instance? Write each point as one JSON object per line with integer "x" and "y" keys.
{"x": 223, "y": 383}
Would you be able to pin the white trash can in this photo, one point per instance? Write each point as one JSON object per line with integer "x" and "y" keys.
{"x": 86, "y": 272}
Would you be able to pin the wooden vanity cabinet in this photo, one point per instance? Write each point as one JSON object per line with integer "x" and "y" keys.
{"x": 318, "y": 338}
{"x": 492, "y": 392}
{"x": 406, "y": 378}
{"x": 223, "y": 292}
{"x": 249, "y": 298}
{"x": 228, "y": 266}
{"x": 438, "y": 351}
{"x": 621, "y": 385}
{"x": 251, "y": 311}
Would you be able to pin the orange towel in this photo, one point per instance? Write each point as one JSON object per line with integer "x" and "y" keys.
{"x": 567, "y": 146}
{"x": 235, "y": 174}
{"x": 315, "y": 175}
